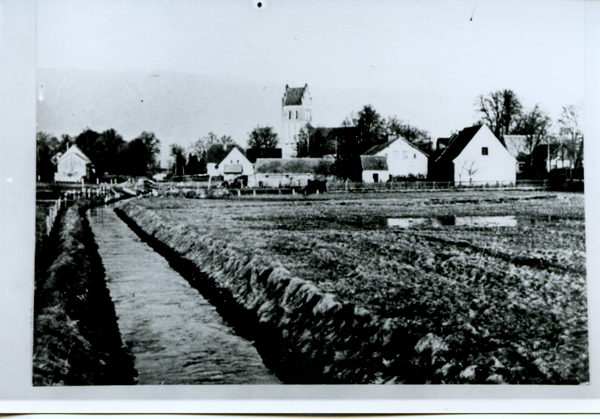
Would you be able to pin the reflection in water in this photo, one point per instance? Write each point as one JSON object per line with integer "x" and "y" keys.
{"x": 472, "y": 221}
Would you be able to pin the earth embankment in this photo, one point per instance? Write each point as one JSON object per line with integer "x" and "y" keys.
{"x": 302, "y": 333}
{"x": 76, "y": 337}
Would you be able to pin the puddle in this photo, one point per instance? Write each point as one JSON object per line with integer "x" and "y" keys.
{"x": 474, "y": 221}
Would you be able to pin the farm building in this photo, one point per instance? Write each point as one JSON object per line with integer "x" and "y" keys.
{"x": 403, "y": 159}
{"x": 286, "y": 172}
{"x": 73, "y": 166}
{"x": 473, "y": 156}
{"x": 228, "y": 161}
{"x": 374, "y": 169}
{"x": 296, "y": 112}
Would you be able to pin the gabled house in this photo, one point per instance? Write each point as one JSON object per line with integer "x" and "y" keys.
{"x": 473, "y": 156}
{"x": 286, "y": 172}
{"x": 402, "y": 159}
{"x": 229, "y": 163}
{"x": 73, "y": 166}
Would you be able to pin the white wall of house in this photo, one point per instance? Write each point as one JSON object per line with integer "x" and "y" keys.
{"x": 235, "y": 156}
{"x": 72, "y": 166}
{"x": 485, "y": 160}
{"x": 368, "y": 176}
{"x": 403, "y": 159}
{"x": 276, "y": 180}
{"x": 213, "y": 170}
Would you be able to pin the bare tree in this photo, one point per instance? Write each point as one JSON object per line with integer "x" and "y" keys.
{"x": 534, "y": 125}
{"x": 470, "y": 167}
{"x": 569, "y": 127}
{"x": 499, "y": 110}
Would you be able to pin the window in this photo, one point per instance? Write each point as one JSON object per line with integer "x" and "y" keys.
{"x": 396, "y": 154}
{"x": 484, "y": 151}
{"x": 405, "y": 154}
{"x": 290, "y": 115}
{"x": 415, "y": 156}
{"x": 296, "y": 114}
{"x": 375, "y": 177}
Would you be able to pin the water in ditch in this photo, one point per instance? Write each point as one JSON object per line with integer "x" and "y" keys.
{"x": 175, "y": 335}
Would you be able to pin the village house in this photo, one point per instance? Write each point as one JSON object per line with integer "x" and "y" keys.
{"x": 296, "y": 112}
{"x": 285, "y": 172}
{"x": 73, "y": 166}
{"x": 399, "y": 157}
{"x": 233, "y": 165}
{"x": 474, "y": 156}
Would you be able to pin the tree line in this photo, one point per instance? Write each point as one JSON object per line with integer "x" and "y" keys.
{"x": 504, "y": 113}
{"x": 107, "y": 150}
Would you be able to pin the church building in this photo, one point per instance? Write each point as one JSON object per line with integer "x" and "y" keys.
{"x": 296, "y": 112}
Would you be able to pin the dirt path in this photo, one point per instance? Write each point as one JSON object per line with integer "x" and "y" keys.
{"x": 176, "y": 336}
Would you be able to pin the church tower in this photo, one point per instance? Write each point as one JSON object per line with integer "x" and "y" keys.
{"x": 296, "y": 111}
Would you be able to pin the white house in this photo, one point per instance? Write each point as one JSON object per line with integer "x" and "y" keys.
{"x": 73, "y": 166}
{"x": 475, "y": 156}
{"x": 234, "y": 164}
{"x": 374, "y": 169}
{"x": 403, "y": 159}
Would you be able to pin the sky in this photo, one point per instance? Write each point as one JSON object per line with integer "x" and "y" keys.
{"x": 223, "y": 66}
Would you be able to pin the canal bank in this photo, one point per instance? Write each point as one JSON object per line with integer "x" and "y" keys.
{"x": 175, "y": 335}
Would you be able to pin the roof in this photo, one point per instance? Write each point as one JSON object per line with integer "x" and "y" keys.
{"x": 374, "y": 162}
{"x": 299, "y": 165}
{"x": 293, "y": 95}
{"x": 217, "y": 152}
{"x": 458, "y": 142}
{"x": 376, "y": 149}
{"x": 77, "y": 151}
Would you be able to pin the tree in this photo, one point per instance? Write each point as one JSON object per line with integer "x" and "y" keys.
{"x": 569, "y": 127}
{"x": 499, "y": 110}
{"x": 371, "y": 128}
{"x": 178, "y": 154}
{"x": 414, "y": 135}
{"x": 193, "y": 165}
{"x": 534, "y": 125}
{"x": 314, "y": 142}
{"x": 107, "y": 149}
{"x": 470, "y": 167}
{"x": 202, "y": 144}
{"x": 139, "y": 155}
{"x": 46, "y": 148}
{"x": 262, "y": 138}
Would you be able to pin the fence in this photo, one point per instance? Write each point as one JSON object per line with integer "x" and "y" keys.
{"x": 431, "y": 185}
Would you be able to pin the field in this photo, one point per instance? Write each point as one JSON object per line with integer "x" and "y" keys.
{"x": 500, "y": 303}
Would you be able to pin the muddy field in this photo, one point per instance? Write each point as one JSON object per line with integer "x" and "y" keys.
{"x": 485, "y": 287}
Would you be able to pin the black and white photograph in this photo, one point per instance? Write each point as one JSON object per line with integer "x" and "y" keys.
{"x": 388, "y": 198}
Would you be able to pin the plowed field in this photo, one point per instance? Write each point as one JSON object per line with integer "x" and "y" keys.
{"x": 473, "y": 303}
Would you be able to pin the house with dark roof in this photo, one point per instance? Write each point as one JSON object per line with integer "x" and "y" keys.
{"x": 287, "y": 172}
{"x": 296, "y": 111}
{"x": 473, "y": 156}
{"x": 401, "y": 157}
{"x": 228, "y": 161}
{"x": 73, "y": 166}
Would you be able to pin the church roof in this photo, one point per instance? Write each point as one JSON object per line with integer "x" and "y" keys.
{"x": 293, "y": 95}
